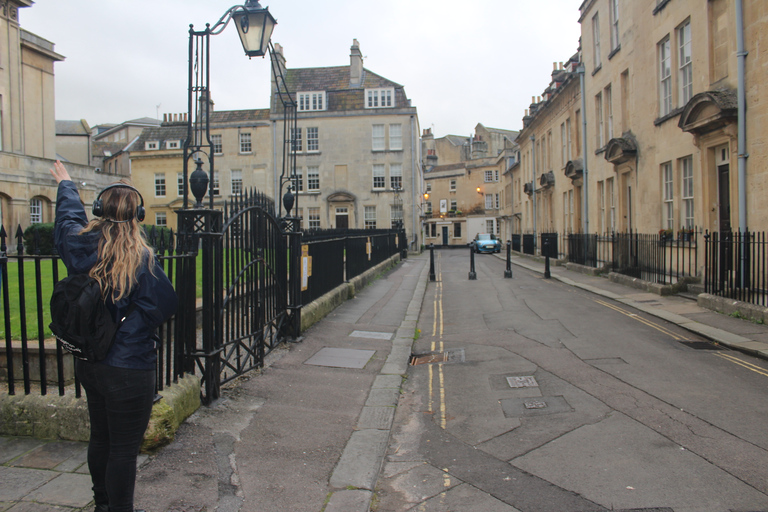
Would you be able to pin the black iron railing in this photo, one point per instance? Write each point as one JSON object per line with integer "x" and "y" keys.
{"x": 658, "y": 258}
{"x": 33, "y": 359}
{"x": 736, "y": 266}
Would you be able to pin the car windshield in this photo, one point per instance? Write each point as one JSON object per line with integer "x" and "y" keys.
{"x": 484, "y": 236}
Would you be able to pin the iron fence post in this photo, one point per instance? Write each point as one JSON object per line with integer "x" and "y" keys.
{"x": 431, "y": 262}
{"x": 472, "y": 273}
{"x": 547, "y": 274}
{"x": 508, "y": 271}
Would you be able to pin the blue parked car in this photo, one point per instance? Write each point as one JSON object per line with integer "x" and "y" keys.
{"x": 485, "y": 242}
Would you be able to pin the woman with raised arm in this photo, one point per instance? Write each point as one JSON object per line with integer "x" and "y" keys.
{"x": 120, "y": 389}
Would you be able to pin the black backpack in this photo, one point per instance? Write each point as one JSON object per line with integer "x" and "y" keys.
{"x": 80, "y": 318}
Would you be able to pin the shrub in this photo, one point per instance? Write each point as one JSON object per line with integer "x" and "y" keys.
{"x": 38, "y": 239}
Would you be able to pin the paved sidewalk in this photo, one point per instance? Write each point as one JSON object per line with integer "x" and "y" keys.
{"x": 309, "y": 432}
{"x": 735, "y": 333}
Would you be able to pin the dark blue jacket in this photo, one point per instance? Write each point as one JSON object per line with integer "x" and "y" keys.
{"x": 153, "y": 295}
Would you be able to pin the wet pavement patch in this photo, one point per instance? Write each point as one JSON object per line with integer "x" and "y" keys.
{"x": 448, "y": 356}
{"x": 535, "y": 406}
{"x": 341, "y": 358}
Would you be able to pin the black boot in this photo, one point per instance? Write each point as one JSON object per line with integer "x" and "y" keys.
{"x": 101, "y": 508}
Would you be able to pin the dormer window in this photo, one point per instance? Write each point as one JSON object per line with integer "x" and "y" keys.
{"x": 379, "y": 98}
{"x": 310, "y": 101}
{"x": 172, "y": 144}
{"x": 151, "y": 145}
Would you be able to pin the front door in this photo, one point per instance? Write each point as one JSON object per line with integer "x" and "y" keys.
{"x": 342, "y": 217}
{"x": 445, "y": 235}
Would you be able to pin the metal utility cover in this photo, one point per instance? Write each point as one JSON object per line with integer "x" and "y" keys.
{"x": 522, "y": 407}
{"x": 526, "y": 381}
{"x": 372, "y": 335}
{"x": 341, "y": 357}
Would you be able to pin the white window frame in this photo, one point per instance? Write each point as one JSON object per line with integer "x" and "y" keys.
{"x": 395, "y": 137}
{"x": 395, "y": 214}
{"x": 151, "y": 145}
{"x": 380, "y": 98}
{"x": 378, "y": 138}
{"x": 298, "y": 180}
{"x": 216, "y": 144}
{"x": 161, "y": 219}
{"x": 454, "y": 205}
{"x": 596, "y": 40}
{"x": 313, "y": 218}
{"x": 311, "y": 101}
{"x": 608, "y": 98}
{"x": 685, "y": 63}
{"x": 180, "y": 183}
{"x": 236, "y": 181}
{"x": 428, "y": 208}
{"x": 665, "y": 77}
{"x": 35, "y": 211}
{"x": 172, "y": 144}
{"x": 369, "y": 217}
{"x": 313, "y": 139}
{"x": 489, "y": 201}
{"x": 379, "y": 177}
{"x": 668, "y": 196}
{"x": 396, "y": 176}
{"x": 563, "y": 142}
{"x": 215, "y": 178}
{"x": 687, "y": 199}
{"x": 488, "y": 176}
{"x": 609, "y": 184}
{"x": 296, "y": 139}
{"x": 614, "y": 13}
{"x": 452, "y": 186}
{"x": 489, "y": 226}
{"x": 160, "y": 190}
{"x": 313, "y": 178}
{"x": 570, "y": 142}
{"x": 600, "y": 132}
{"x": 246, "y": 143}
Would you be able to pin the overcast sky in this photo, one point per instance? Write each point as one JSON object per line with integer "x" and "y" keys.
{"x": 461, "y": 62}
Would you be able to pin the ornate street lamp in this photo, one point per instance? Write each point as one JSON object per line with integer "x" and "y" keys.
{"x": 254, "y": 26}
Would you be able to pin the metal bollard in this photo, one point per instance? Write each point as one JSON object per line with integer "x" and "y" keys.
{"x": 472, "y": 273}
{"x": 547, "y": 275}
{"x": 508, "y": 272}
{"x": 431, "y": 262}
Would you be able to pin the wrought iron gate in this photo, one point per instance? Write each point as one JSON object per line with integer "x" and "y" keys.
{"x": 248, "y": 305}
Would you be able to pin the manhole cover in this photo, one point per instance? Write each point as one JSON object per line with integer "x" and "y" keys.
{"x": 449, "y": 356}
{"x": 527, "y": 381}
{"x": 535, "y": 404}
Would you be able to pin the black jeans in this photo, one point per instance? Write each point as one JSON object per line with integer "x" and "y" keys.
{"x": 119, "y": 405}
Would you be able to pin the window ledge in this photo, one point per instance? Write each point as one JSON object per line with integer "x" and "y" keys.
{"x": 309, "y": 193}
{"x": 674, "y": 113}
{"x": 614, "y": 52}
{"x": 598, "y": 68}
{"x": 660, "y": 6}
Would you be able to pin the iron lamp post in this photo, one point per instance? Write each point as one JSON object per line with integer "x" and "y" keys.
{"x": 254, "y": 26}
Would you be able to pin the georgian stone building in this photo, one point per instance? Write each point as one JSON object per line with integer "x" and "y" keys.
{"x": 357, "y": 142}
{"x": 28, "y": 126}
{"x": 242, "y": 145}
{"x": 463, "y": 179}
{"x": 661, "y": 83}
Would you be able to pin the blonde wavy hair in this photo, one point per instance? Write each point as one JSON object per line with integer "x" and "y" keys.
{"x": 123, "y": 246}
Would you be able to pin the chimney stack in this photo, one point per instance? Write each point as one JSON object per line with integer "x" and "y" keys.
{"x": 355, "y": 64}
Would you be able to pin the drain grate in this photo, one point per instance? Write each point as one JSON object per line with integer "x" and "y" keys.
{"x": 449, "y": 356}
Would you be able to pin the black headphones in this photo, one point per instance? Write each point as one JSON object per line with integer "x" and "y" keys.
{"x": 98, "y": 205}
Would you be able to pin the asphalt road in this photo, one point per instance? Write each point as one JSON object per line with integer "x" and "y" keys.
{"x": 534, "y": 396}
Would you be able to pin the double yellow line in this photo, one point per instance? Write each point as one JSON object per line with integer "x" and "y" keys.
{"x": 437, "y": 334}
{"x": 744, "y": 364}
{"x": 677, "y": 337}
{"x": 642, "y": 320}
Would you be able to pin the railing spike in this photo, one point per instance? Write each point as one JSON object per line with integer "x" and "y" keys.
{"x": 19, "y": 240}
